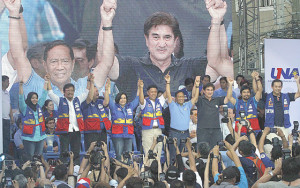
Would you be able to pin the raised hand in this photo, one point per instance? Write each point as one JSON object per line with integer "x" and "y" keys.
{"x": 254, "y": 74}
{"x": 13, "y": 6}
{"x": 167, "y": 77}
{"x": 104, "y": 146}
{"x": 217, "y": 13}
{"x": 197, "y": 80}
{"x": 214, "y": 3}
{"x": 47, "y": 77}
{"x": 141, "y": 83}
{"x": 71, "y": 155}
{"x": 107, "y": 12}
{"x": 230, "y": 81}
{"x": 107, "y": 84}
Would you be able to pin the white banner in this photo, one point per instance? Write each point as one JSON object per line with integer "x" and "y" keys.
{"x": 282, "y": 61}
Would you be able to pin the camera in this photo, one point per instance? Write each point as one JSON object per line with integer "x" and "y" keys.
{"x": 221, "y": 144}
{"x": 65, "y": 154}
{"x": 52, "y": 162}
{"x": 162, "y": 176}
{"x": 225, "y": 114}
{"x": 9, "y": 163}
{"x": 170, "y": 140}
{"x": 8, "y": 182}
{"x": 183, "y": 140}
{"x": 151, "y": 155}
{"x": 36, "y": 157}
{"x": 137, "y": 158}
{"x": 126, "y": 155}
{"x": 243, "y": 121}
{"x": 99, "y": 144}
{"x": 273, "y": 130}
{"x": 276, "y": 142}
{"x": 286, "y": 153}
{"x": 160, "y": 138}
{"x": 145, "y": 175}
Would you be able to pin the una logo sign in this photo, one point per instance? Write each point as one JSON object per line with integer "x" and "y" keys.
{"x": 287, "y": 73}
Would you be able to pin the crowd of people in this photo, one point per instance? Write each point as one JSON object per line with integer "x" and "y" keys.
{"x": 155, "y": 132}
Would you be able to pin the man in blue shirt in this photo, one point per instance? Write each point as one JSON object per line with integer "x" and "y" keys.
{"x": 222, "y": 91}
{"x": 58, "y": 61}
{"x": 180, "y": 113}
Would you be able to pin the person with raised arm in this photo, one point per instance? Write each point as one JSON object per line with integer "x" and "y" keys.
{"x": 161, "y": 31}
{"x": 33, "y": 132}
{"x": 122, "y": 130}
{"x": 180, "y": 113}
{"x": 70, "y": 120}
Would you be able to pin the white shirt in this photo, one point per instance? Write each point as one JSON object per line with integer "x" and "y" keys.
{"x": 193, "y": 127}
{"x": 237, "y": 92}
{"x": 5, "y": 105}
{"x": 9, "y": 71}
{"x": 72, "y": 115}
{"x": 162, "y": 101}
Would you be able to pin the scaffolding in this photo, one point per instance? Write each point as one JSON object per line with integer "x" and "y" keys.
{"x": 249, "y": 36}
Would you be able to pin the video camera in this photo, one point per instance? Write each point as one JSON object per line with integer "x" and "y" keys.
{"x": 225, "y": 114}
{"x": 183, "y": 140}
{"x": 276, "y": 142}
{"x": 160, "y": 138}
{"x": 243, "y": 121}
{"x": 151, "y": 154}
{"x": 286, "y": 153}
{"x": 170, "y": 140}
{"x": 126, "y": 155}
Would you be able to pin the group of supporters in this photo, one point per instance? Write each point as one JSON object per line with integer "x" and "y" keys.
{"x": 186, "y": 136}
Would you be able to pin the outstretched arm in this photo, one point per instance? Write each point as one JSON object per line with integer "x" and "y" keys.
{"x": 196, "y": 90}
{"x": 141, "y": 90}
{"x": 229, "y": 97}
{"x": 105, "y": 53}
{"x": 91, "y": 87}
{"x": 22, "y": 64}
{"x": 219, "y": 62}
{"x": 107, "y": 92}
{"x": 168, "y": 90}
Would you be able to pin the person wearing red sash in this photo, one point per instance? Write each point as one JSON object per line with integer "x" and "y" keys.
{"x": 33, "y": 130}
{"x": 70, "y": 120}
{"x": 122, "y": 130}
{"x": 95, "y": 117}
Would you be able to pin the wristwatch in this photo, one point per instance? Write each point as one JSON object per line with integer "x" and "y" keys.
{"x": 216, "y": 156}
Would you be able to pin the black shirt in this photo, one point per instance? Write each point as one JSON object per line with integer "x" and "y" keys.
{"x": 278, "y": 109}
{"x": 133, "y": 68}
{"x": 208, "y": 112}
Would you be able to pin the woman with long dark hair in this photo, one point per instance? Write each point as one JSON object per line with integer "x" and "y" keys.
{"x": 122, "y": 130}
{"x": 48, "y": 109}
{"x": 33, "y": 130}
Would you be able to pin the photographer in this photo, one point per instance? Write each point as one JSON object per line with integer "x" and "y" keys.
{"x": 231, "y": 175}
{"x": 63, "y": 175}
{"x": 276, "y": 151}
{"x": 288, "y": 168}
{"x": 98, "y": 159}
